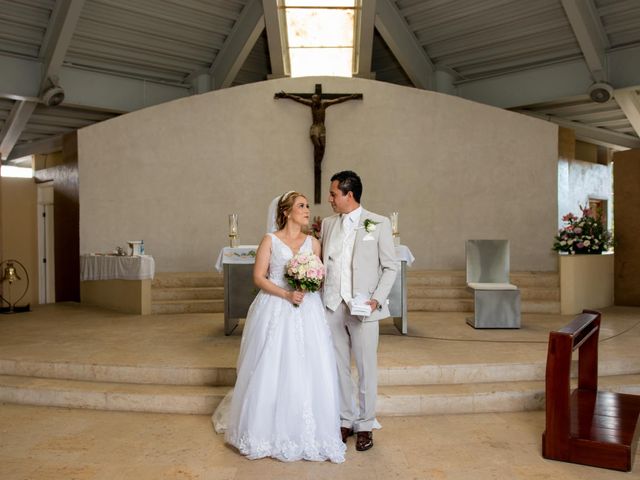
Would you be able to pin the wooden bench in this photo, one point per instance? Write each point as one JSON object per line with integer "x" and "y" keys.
{"x": 586, "y": 426}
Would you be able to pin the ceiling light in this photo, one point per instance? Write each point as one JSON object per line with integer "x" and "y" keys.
{"x": 53, "y": 96}
{"x": 600, "y": 92}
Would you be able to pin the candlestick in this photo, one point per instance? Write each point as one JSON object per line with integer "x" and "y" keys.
{"x": 394, "y": 228}
{"x": 233, "y": 230}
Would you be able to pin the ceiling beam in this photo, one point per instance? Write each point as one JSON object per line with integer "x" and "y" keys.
{"x": 275, "y": 37}
{"x": 550, "y": 82}
{"x": 403, "y": 44}
{"x": 590, "y": 35}
{"x": 14, "y": 125}
{"x": 629, "y": 103}
{"x": 587, "y": 133}
{"x": 57, "y": 38}
{"x": 366, "y": 27}
{"x": 238, "y": 45}
{"x": 86, "y": 88}
{"x": 47, "y": 145}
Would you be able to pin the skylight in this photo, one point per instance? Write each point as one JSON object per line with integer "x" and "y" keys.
{"x": 320, "y": 37}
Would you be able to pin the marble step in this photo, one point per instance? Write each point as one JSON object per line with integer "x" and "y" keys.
{"x": 414, "y": 278}
{"x": 466, "y": 305}
{"x": 187, "y": 280}
{"x": 428, "y": 290}
{"x": 141, "y": 374}
{"x": 439, "y": 304}
{"x": 457, "y": 278}
{"x": 187, "y": 306}
{"x": 392, "y": 400}
{"x": 225, "y": 376}
{"x": 536, "y": 279}
{"x": 526, "y": 293}
{"x": 480, "y": 397}
{"x": 187, "y": 293}
{"x": 110, "y": 396}
{"x": 414, "y": 305}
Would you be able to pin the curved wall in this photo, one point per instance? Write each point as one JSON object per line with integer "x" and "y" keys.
{"x": 454, "y": 169}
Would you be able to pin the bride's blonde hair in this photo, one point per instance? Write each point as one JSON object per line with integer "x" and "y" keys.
{"x": 285, "y": 204}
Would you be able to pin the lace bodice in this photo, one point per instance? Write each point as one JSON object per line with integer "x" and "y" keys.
{"x": 280, "y": 255}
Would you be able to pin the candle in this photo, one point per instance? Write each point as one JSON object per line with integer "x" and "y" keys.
{"x": 394, "y": 223}
{"x": 233, "y": 224}
{"x": 233, "y": 230}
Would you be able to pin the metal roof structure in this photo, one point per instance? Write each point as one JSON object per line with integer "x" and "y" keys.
{"x": 109, "y": 57}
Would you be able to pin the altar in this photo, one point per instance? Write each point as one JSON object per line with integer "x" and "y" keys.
{"x": 239, "y": 290}
{"x": 120, "y": 283}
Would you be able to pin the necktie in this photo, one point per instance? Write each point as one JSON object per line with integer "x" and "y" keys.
{"x": 345, "y": 224}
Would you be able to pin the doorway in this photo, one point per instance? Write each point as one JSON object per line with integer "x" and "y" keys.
{"x": 46, "y": 263}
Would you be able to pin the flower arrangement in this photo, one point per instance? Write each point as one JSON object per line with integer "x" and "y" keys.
{"x": 583, "y": 235}
{"x": 316, "y": 226}
{"x": 370, "y": 225}
{"x": 305, "y": 272}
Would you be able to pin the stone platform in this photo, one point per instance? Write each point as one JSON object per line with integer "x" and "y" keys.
{"x": 427, "y": 291}
{"x": 68, "y": 355}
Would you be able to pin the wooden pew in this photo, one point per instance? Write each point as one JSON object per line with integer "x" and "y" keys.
{"x": 586, "y": 426}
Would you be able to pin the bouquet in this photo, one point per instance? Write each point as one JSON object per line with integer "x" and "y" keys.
{"x": 582, "y": 235}
{"x": 305, "y": 272}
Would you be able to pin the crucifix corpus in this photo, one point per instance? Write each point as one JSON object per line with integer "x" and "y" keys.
{"x": 319, "y": 103}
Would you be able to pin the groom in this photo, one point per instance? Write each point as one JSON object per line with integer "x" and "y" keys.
{"x": 358, "y": 253}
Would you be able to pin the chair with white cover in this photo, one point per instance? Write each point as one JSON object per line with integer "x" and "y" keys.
{"x": 496, "y": 301}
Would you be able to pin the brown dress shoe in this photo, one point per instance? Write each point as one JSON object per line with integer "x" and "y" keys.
{"x": 364, "y": 441}
{"x": 346, "y": 432}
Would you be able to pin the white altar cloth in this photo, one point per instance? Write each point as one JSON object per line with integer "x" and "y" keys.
{"x": 114, "y": 267}
{"x": 247, "y": 254}
{"x": 241, "y": 254}
{"x": 403, "y": 254}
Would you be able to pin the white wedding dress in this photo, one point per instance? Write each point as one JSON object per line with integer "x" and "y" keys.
{"x": 285, "y": 402}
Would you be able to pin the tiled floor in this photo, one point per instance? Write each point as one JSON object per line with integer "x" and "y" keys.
{"x": 53, "y": 443}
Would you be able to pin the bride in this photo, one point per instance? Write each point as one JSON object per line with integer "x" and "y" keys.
{"x": 285, "y": 401}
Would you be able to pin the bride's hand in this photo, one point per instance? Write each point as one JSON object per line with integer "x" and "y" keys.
{"x": 295, "y": 297}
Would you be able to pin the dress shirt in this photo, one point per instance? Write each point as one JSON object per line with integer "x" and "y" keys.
{"x": 350, "y": 221}
{"x": 349, "y": 224}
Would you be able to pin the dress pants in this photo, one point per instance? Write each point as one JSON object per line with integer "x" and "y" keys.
{"x": 351, "y": 335}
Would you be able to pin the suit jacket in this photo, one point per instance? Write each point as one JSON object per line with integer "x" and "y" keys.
{"x": 374, "y": 264}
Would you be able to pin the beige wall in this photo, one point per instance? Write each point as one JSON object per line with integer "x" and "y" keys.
{"x": 580, "y": 177}
{"x": 586, "y": 282}
{"x": 578, "y": 181}
{"x": 454, "y": 169}
{"x": 626, "y": 173}
{"x": 19, "y": 229}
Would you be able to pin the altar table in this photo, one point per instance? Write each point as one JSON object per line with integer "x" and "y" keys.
{"x": 120, "y": 283}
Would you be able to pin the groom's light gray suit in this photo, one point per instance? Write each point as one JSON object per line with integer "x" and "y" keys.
{"x": 370, "y": 260}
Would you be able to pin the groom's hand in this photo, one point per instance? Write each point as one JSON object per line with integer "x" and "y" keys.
{"x": 373, "y": 303}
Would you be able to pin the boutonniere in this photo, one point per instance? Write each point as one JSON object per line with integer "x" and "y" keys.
{"x": 370, "y": 225}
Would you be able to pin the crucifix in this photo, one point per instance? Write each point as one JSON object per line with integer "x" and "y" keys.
{"x": 318, "y": 102}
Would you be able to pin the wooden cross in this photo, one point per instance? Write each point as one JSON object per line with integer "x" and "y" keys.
{"x": 319, "y": 103}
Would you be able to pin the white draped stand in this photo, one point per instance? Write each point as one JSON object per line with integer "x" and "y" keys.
{"x": 118, "y": 283}
{"x": 239, "y": 290}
